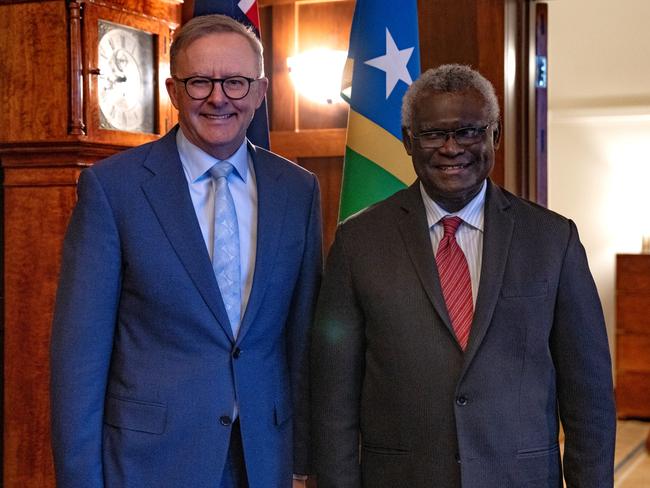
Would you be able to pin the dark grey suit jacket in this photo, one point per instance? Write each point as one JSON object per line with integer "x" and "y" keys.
{"x": 387, "y": 371}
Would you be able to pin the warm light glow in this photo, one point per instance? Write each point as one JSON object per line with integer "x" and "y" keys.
{"x": 317, "y": 74}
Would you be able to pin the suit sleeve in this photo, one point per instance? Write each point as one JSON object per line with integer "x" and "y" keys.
{"x": 82, "y": 336}
{"x": 584, "y": 376}
{"x": 299, "y": 323}
{"x": 337, "y": 364}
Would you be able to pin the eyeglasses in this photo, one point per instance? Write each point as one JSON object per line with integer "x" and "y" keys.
{"x": 465, "y": 136}
{"x": 201, "y": 87}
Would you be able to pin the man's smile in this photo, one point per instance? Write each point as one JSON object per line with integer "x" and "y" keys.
{"x": 452, "y": 168}
{"x": 218, "y": 116}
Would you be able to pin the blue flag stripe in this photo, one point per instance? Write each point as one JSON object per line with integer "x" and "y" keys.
{"x": 368, "y": 41}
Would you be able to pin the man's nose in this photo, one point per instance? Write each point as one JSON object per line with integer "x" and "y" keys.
{"x": 217, "y": 95}
{"x": 451, "y": 146}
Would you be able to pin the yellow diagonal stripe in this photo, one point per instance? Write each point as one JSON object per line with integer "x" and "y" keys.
{"x": 380, "y": 146}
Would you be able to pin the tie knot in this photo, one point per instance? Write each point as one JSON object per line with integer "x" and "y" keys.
{"x": 450, "y": 225}
{"x": 221, "y": 170}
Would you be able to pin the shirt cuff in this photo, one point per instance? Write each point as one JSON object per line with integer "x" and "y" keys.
{"x": 300, "y": 477}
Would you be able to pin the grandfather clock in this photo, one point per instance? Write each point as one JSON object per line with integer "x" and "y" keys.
{"x": 79, "y": 80}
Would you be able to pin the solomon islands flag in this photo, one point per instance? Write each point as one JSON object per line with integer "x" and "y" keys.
{"x": 383, "y": 60}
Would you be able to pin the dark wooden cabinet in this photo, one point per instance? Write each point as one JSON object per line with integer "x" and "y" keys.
{"x": 633, "y": 335}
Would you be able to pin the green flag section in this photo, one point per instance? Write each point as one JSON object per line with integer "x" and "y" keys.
{"x": 383, "y": 60}
{"x": 376, "y": 165}
{"x": 364, "y": 183}
{"x": 375, "y": 143}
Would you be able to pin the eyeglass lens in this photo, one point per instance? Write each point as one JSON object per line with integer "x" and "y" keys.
{"x": 464, "y": 136}
{"x": 234, "y": 87}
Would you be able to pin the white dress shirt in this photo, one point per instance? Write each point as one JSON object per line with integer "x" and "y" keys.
{"x": 469, "y": 234}
{"x": 243, "y": 187}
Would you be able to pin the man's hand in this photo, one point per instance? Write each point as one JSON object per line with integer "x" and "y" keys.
{"x": 299, "y": 484}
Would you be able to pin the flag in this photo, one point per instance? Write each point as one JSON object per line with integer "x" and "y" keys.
{"x": 246, "y": 12}
{"x": 383, "y": 60}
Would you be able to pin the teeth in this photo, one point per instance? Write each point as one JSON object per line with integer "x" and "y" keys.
{"x": 455, "y": 166}
{"x": 217, "y": 116}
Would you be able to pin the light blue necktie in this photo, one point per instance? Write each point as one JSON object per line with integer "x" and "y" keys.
{"x": 225, "y": 251}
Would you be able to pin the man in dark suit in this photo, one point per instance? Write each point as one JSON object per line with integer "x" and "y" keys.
{"x": 179, "y": 345}
{"x": 431, "y": 373}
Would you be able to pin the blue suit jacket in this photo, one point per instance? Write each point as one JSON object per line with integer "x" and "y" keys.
{"x": 386, "y": 365}
{"x": 143, "y": 361}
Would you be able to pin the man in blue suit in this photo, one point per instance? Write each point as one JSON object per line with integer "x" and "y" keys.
{"x": 165, "y": 374}
{"x": 456, "y": 373}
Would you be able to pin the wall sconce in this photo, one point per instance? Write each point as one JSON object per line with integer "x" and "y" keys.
{"x": 317, "y": 74}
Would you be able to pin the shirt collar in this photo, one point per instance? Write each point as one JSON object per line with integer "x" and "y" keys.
{"x": 197, "y": 162}
{"x": 472, "y": 213}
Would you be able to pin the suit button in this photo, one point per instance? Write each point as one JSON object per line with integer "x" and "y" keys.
{"x": 462, "y": 401}
{"x": 236, "y": 353}
{"x": 225, "y": 420}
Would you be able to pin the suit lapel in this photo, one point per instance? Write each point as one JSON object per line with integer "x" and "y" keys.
{"x": 497, "y": 235}
{"x": 415, "y": 234}
{"x": 271, "y": 209}
{"x": 167, "y": 194}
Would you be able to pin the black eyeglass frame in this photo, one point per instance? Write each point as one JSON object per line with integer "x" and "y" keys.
{"x": 453, "y": 133}
{"x": 214, "y": 81}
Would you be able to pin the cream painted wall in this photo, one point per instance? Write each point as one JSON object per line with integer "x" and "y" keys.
{"x": 599, "y": 129}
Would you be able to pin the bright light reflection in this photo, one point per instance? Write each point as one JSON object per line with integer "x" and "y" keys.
{"x": 317, "y": 74}
{"x": 628, "y": 152}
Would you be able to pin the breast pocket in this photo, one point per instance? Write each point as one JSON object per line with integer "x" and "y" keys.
{"x": 524, "y": 289}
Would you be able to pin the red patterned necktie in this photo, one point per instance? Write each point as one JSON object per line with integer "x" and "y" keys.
{"x": 455, "y": 281}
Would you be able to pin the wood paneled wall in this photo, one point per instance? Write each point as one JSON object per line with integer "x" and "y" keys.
{"x": 47, "y": 136}
{"x": 38, "y": 201}
{"x": 308, "y": 133}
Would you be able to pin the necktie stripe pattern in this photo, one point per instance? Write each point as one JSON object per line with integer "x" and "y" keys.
{"x": 225, "y": 252}
{"x": 455, "y": 281}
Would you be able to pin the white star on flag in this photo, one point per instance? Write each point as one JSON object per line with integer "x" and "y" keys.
{"x": 393, "y": 63}
{"x": 245, "y": 5}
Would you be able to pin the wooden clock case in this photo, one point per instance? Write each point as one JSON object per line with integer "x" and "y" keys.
{"x": 49, "y": 131}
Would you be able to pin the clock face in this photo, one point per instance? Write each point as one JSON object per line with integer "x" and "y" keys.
{"x": 126, "y": 78}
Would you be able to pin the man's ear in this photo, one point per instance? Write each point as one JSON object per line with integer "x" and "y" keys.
{"x": 262, "y": 87}
{"x": 496, "y": 135}
{"x": 407, "y": 140}
{"x": 171, "y": 91}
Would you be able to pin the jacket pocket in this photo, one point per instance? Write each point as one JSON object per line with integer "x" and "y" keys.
{"x": 537, "y": 452}
{"x": 135, "y": 415}
{"x": 386, "y": 451}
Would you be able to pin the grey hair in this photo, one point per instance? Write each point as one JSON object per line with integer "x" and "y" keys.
{"x": 449, "y": 78}
{"x": 204, "y": 25}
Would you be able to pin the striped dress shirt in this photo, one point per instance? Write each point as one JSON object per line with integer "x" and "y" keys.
{"x": 469, "y": 235}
